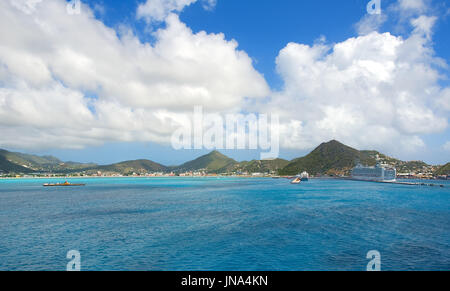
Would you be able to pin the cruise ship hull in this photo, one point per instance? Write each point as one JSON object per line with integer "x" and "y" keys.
{"x": 372, "y": 179}
{"x": 375, "y": 174}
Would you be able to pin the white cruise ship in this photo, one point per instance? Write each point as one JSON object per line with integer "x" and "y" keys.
{"x": 378, "y": 173}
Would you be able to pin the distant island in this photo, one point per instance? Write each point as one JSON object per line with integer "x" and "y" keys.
{"x": 328, "y": 159}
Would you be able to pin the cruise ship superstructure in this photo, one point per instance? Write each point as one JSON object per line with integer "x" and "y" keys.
{"x": 378, "y": 173}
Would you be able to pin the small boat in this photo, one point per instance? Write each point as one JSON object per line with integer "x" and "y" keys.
{"x": 297, "y": 180}
{"x": 65, "y": 184}
{"x": 304, "y": 176}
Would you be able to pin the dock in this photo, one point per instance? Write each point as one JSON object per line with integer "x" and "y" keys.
{"x": 399, "y": 183}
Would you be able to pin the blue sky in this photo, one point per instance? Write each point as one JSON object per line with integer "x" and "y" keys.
{"x": 263, "y": 28}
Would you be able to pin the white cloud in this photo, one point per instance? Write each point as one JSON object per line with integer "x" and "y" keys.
{"x": 443, "y": 101}
{"x": 404, "y": 12}
{"x": 376, "y": 90}
{"x": 158, "y": 10}
{"x": 417, "y": 6}
{"x": 99, "y": 9}
{"x": 373, "y": 91}
{"x": 424, "y": 24}
{"x": 209, "y": 4}
{"x": 26, "y": 6}
{"x": 50, "y": 61}
{"x": 370, "y": 23}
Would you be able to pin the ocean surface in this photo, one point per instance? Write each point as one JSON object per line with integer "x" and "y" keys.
{"x": 223, "y": 224}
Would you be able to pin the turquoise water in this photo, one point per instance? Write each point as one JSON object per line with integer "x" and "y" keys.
{"x": 223, "y": 224}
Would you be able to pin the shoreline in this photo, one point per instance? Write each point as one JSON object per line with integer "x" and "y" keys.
{"x": 397, "y": 182}
{"x": 137, "y": 177}
{"x": 218, "y": 176}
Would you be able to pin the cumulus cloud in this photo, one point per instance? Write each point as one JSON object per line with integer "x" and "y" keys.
{"x": 372, "y": 91}
{"x": 376, "y": 90}
{"x": 51, "y": 62}
{"x": 69, "y": 81}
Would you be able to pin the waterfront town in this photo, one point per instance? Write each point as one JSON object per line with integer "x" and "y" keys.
{"x": 426, "y": 174}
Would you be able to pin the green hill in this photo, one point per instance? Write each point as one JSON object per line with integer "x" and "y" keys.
{"x": 213, "y": 162}
{"x": 332, "y": 158}
{"x": 32, "y": 162}
{"x": 335, "y": 158}
{"x": 264, "y": 166}
{"x": 129, "y": 167}
{"x": 26, "y": 163}
{"x": 444, "y": 170}
{"x": 8, "y": 167}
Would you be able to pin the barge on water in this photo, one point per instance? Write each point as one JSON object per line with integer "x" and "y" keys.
{"x": 65, "y": 184}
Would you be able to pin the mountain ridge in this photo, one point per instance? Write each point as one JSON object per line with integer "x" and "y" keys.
{"x": 214, "y": 162}
{"x": 444, "y": 170}
{"x": 330, "y": 158}
{"x": 260, "y": 166}
{"x": 335, "y": 158}
{"x": 133, "y": 166}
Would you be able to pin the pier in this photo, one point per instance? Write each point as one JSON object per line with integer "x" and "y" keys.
{"x": 399, "y": 183}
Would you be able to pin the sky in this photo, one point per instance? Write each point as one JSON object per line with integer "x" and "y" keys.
{"x": 114, "y": 81}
